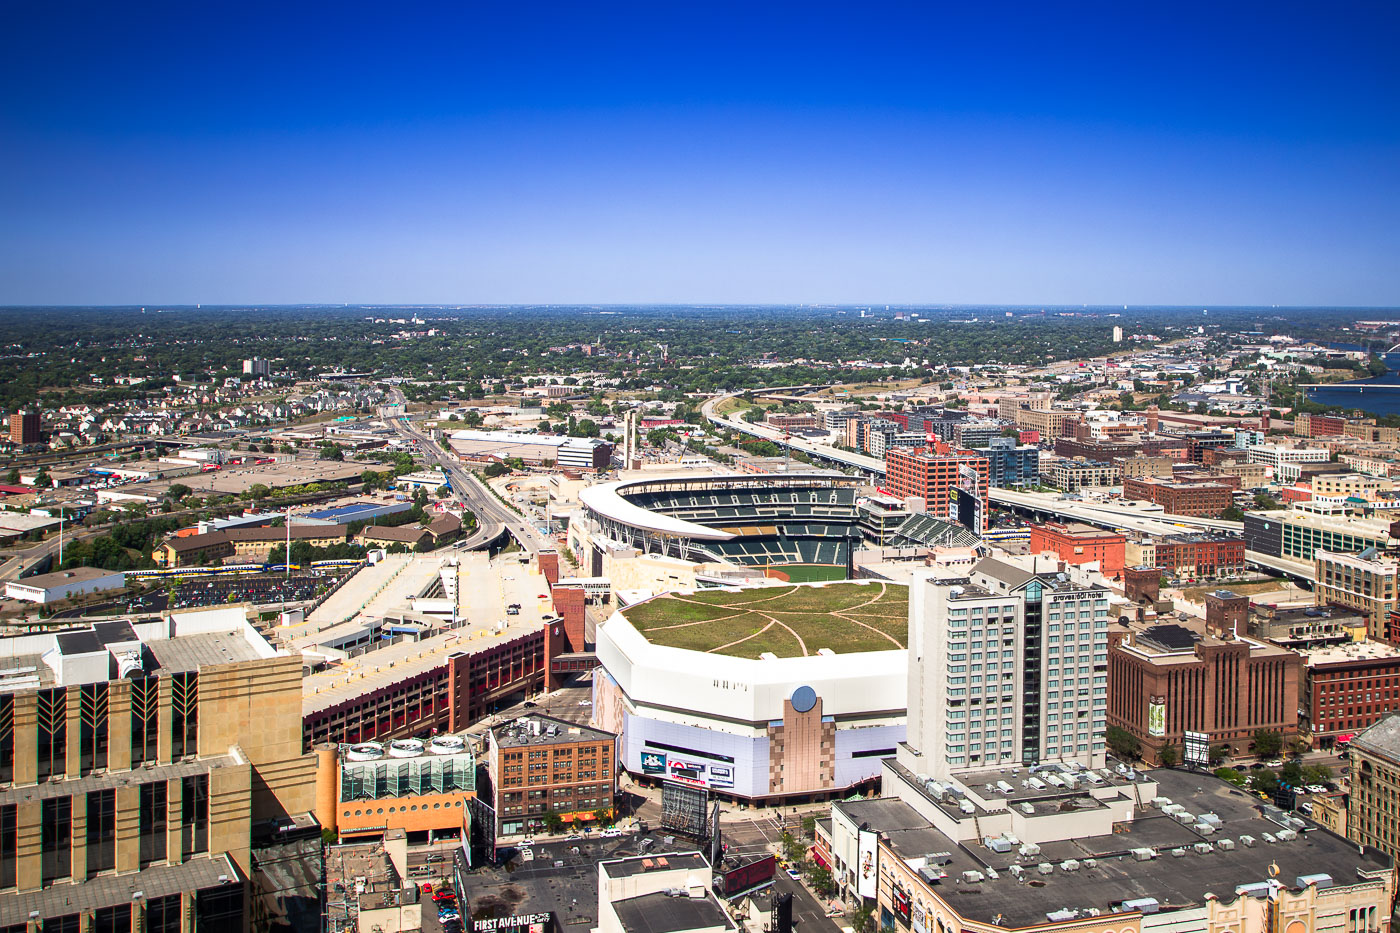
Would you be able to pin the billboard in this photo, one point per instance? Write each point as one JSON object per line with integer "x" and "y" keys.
{"x": 747, "y": 877}
{"x": 1196, "y": 748}
{"x": 965, "y": 505}
{"x": 684, "y": 806}
{"x": 653, "y": 763}
{"x": 1157, "y": 718}
{"x": 901, "y": 903}
{"x": 867, "y": 873}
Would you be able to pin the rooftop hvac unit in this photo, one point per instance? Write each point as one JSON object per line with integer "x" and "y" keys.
{"x": 1143, "y": 854}
{"x": 1005, "y": 788}
{"x": 1320, "y": 880}
{"x": 997, "y": 844}
{"x": 1205, "y": 829}
{"x": 1017, "y": 871}
{"x": 1286, "y": 835}
{"x": 1045, "y": 868}
{"x": 1029, "y": 850}
{"x": 1090, "y": 863}
{"x": 1247, "y": 841}
{"x": 1203, "y": 848}
{"x": 1147, "y": 905}
{"x": 1210, "y": 818}
{"x": 1054, "y": 780}
{"x": 1161, "y": 803}
{"x": 992, "y": 874}
{"x": 967, "y": 806}
{"x": 1027, "y": 808}
{"x": 1226, "y": 845}
{"x": 1037, "y": 783}
{"x": 972, "y": 877}
{"x": 1184, "y": 817}
{"x": 1269, "y": 838}
{"x": 1063, "y": 915}
{"x": 1178, "y": 853}
{"x": 1172, "y": 809}
{"x": 1069, "y": 864}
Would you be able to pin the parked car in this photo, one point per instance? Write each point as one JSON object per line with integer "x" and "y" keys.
{"x": 611, "y": 833}
{"x": 793, "y": 873}
{"x": 436, "y": 857}
{"x": 573, "y": 837}
{"x": 526, "y": 843}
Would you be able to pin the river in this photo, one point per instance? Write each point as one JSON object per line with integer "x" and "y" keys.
{"x": 1376, "y": 396}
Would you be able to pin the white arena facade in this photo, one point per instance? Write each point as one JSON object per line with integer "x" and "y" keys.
{"x": 782, "y": 693}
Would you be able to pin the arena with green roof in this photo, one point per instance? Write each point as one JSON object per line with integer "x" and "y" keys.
{"x": 778, "y": 691}
{"x": 786, "y": 621}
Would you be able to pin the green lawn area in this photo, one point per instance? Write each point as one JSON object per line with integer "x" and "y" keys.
{"x": 811, "y": 573}
{"x": 810, "y": 611}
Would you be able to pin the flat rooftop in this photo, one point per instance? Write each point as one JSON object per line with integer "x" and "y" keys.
{"x": 639, "y": 864}
{"x": 485, "y": 587}
{"x": 534, "y": 731}
{"x": 663, "y": 913}
{"x": 1350, "y": 651}
{"x": 790, "y": 621}
{"x": 65, "y": 577}
{"x": 1102, "y": 872}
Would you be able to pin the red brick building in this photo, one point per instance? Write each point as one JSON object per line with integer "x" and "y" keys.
{"x": 1209, "y": 555}
{"x": 1076, "y": 543}
{"x": 1166, "y": 679}
{"x": 929, "y": 474}
{"x": 1200, "y": 500}
{"x": 24, "y": 427}
{"x": 1349, "y": 687}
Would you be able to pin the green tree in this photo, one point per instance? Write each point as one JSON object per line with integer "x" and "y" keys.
{"x": 1267, "y": 743}
{"x": 1168, "y": 756}
{"x": 1291, "y": 773}
{"x": 178, "y": 490}
{"x": 472, "y": 419}
{"x": 12, "y": 477}
{"x": 495, "y": 469}
{"x": 863, "y": 919}
{"x": 1122, "y": 743}
{"x": 553, "y": 822}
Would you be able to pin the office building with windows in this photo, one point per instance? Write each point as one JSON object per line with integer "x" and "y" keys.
{"x": 541, "y": 765}
{"x": 138, "y": 760}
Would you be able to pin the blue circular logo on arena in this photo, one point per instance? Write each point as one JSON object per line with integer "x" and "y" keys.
{"x": 803, "y": 699}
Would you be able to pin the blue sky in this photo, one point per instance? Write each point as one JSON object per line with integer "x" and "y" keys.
{"x": 464, "y": 153}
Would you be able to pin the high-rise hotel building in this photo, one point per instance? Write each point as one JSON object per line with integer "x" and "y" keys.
{"x": 1007, "y": 665}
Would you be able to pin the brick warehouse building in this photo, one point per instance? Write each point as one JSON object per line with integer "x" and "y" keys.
{"x": 1200, "y": 500}
{"x": 542, "y": 765}
{"x": 1077, "y": 543}
{"x": 929, "y": 474}
{"x": 1349, "y": 687}
{"x": 1166, "y": 679}
{"x": 1202, "y": 554}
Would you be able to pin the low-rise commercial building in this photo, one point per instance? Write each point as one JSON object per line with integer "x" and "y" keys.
{"x": 1367, "y": 582}
{"x": 660, "y": 894}
{"x": 1202, "y": 555}
{"x": 1077, "y": 543}
{"x": 64, "y": 584}
{"x": 1373, "y": 809}
{"x": 1094, "y": 851}
{"x": 1297, "y": 534}
{"x": 1349, "y": 687}
{"x": 575, "y": 453}
{"x": 1195, "y": 499}
{"x": 421, "y": 788}
{"x": 542, "y": 766}
{"x": 1077, "y": 474}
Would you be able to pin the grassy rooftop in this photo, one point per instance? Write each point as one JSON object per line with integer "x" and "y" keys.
{"x": 789, "y": 621}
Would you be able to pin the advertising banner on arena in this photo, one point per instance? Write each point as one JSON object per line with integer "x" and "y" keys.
{"x": 653, "y": 763}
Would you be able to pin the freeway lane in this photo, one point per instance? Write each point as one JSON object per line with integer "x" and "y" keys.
{"x": 490, "y": 512}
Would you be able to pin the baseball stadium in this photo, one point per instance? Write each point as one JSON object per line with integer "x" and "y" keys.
{"x": 795, "y": 527}
{"x": 775, "y": 693}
